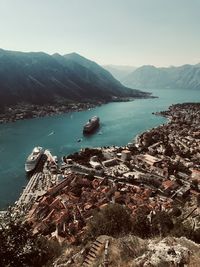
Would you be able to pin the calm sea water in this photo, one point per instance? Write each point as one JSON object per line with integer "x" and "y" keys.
{"x": 120, "y": 123}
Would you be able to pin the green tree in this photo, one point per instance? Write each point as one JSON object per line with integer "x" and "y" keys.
{"x": 141, "y": 224}
{"x": 112, "y": 220}
{"x": 19, "y": 247}
{"x": 161, "y": 223}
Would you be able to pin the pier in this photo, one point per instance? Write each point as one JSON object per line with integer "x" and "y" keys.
{"x": 40, "y": 181}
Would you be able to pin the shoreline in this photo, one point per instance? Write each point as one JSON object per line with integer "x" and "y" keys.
{"x": 30, "y": 111}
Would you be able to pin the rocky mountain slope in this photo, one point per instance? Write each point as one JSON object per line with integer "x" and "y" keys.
{"x": 150, "y": 77}
{"x": 131, "y": 251}
{"x": 40, "y": 78}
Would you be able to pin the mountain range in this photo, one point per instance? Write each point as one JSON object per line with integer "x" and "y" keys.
{"x": 119, "y": 71}
{"x": 39, "y": 78}
{"x": 150, "y": 77}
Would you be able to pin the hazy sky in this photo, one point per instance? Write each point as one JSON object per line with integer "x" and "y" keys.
{"x": 123, "y": 32}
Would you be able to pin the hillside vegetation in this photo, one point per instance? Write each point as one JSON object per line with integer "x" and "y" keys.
{"x": 39, "y": 78}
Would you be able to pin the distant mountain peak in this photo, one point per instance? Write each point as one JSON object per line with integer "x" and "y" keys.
{"x": 81, "y": 60}
{"x": 56, "y": 55}
{"x": 75, "y": 55}
{"x": 148, "y": 67}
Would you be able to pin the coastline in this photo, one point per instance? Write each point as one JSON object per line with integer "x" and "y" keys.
{"x": 31, "y": 111}
{"x": 23, "y": 111}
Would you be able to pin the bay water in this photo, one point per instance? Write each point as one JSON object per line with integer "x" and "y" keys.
{"x": 120, "y": 123}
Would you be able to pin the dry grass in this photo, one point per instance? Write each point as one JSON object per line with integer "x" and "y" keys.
{"x": 122, "y": 251}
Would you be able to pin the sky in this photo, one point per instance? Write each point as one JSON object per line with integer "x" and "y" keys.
{"x": 119, "y": 32}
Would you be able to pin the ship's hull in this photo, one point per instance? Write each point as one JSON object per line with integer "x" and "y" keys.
{"x": 91, "y": 126}
{"x": 91, "y": 130}
{"x": 30, "y": 165}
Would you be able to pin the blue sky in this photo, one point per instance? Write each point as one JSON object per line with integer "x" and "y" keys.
{"x": 122, "y": 32}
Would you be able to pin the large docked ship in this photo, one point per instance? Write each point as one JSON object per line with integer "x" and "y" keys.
{"x": 91, "y": 125}
{"x": 33, "y": 159}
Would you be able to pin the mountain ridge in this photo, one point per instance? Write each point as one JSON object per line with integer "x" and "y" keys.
{"x": 150, "y": 77}
{"x": 40, "y": 78}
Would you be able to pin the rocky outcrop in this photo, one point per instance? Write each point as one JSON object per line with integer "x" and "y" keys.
{"x": 131, "y": 251}
{"x": 164, "y": 253}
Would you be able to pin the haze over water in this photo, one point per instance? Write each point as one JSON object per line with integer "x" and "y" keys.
{"x": 120, "y": 123}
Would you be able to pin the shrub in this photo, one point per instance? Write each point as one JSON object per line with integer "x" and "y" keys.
{"x": 161, "y": 224}
{"x": 141, "y": 225}
{"x": 144, "y": 227}
{"x": 113, "y": 220}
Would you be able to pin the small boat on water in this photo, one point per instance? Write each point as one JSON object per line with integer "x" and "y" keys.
{"x": 33, "y": 159}
{"x": 51, "y": 133}
{"x": 91, "y": 125}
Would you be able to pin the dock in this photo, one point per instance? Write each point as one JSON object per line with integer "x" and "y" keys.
{"x": 40, "y": 181}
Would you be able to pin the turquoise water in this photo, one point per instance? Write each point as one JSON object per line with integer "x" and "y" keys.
{"x": 120, "y": 123}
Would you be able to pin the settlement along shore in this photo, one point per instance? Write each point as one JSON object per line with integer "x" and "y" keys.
{"x": 23, "y": 111}
{"x": 30, "y": 111}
